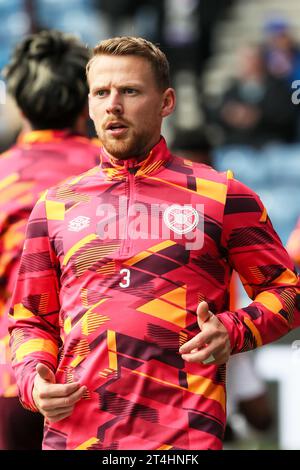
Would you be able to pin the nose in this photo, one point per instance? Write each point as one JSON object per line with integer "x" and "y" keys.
{"x": 114, "y": 104}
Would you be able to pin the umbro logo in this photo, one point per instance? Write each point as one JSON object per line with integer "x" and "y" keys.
{"x": 79, "y": 223}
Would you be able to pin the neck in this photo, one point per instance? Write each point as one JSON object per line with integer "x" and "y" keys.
{"x": 80, "y": 127}
{"x": 138, "y": 157}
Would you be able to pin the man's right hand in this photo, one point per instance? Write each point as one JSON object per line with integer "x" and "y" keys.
{"x": 54, "y": 401}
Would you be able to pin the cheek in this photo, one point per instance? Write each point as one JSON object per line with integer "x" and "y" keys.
{"x": 96, "y": 110}
{"x": 148, "y": 116}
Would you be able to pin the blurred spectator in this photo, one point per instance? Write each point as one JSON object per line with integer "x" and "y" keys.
{"x": 282, "y": 54}
{"x": 257, "y": 108}
{"x": 193, "y": 144}
{"x": 128, "y": 17}
{"x": 181, "y": 34}
{"x": 187, "y": 30}
{"x": 247, "y": 397}
{"x": 293, "y": 245}
{"x": 10, "y": 123}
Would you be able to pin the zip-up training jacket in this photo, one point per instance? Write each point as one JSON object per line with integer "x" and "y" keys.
{"x": 114, "y": 265}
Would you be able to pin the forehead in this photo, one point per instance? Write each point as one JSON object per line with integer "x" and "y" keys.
{"x": 117, "y": 69}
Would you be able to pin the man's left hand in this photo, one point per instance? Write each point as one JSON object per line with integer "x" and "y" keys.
{"x": 212, "y": 345}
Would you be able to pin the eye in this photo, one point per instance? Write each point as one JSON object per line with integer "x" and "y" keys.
{"x": 101, "y": 93}
{"x": 129, "y": 91}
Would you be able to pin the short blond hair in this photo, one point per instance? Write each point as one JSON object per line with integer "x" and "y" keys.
{"x": 129, "y": 45}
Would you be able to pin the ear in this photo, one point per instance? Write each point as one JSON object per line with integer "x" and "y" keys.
{"x": 90, "y": 107}
{"x": 168, "y": 102}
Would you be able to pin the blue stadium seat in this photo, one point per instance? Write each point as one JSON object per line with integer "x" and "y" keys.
{"x": 283, "y": 163}
{"x": 245, "y": 162}
{"x": 49, "y": 12}
{"x": 86, "y": 24}
{"x": 14, "y": 24}
{"x": 10, "y": 6}
{"x": 274, "y": 173}
{"x": 282, "y": 204}
{"x": 82, "y": 19}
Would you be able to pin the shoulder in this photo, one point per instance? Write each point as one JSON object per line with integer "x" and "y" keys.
{"x": 241, "y": 199}
{"x": 71, "y": 185}
{"x": 199, "y": 170}
{"x": 12, "y": 154}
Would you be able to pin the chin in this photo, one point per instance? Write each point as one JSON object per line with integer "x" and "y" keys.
{"x": 120, "y": 150}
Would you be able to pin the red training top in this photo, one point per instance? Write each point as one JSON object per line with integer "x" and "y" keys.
{"x": 114, "y": 265}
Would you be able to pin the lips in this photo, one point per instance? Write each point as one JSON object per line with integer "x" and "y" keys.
{"x": 116, "y": 128}
{"x": 113, "y": 125}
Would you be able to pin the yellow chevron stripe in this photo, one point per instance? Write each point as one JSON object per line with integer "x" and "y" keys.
{"x": 161, "y": 246}
{"x": 168, "y": 183}
{"x": 77, "y": 360}
{"x": 55, "y": 210}
{"x": 206, "y": 387}
{"x": 160, "y": 309}
{"x": 77, "y": 246}
{"x": 112, "y": 347}
{"x": 211, "y": 190}
{"x": 287, "y": 277}
{"x": 8, "y": 180}
{"x": 67, "y": 325}
{"x": 254, "y": 331}
{"x": 264, "y": 215}
{"x": 43, "y": 196}
{"x": 135, "y": 259}
{"x": 85, "y": 319}
{"x": 84, "y": 299}
{"x": 144, "y": 254}
{"x": 177, "y": 297}
{"x": 270, "y": 301}
{"x": 206, "y": 188}
{"x": 14, "y": 191}
{"x": 73, "y": 207}
{"x": 88, "y": 443}
{"x": 36, "y": 345}
{"x": 21, "y": 312}
{"x": 196, "y": 384}
{"x": 90, "y": 172}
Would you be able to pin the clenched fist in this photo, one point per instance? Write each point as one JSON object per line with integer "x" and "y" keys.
{"x": 54, "y": 401}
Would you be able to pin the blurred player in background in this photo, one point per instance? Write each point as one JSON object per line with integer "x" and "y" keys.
{"x": 46, "y": 78}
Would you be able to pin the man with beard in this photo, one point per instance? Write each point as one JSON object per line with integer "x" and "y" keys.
{"x": 122, "y": 342}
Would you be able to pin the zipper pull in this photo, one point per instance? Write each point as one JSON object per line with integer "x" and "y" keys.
{"x": 129, "y": 166}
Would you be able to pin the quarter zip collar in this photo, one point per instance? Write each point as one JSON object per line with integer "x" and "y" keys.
{"x": 47, "y": 135}
{"x": 118, "y": 169}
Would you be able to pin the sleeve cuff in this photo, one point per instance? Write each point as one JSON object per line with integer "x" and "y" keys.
{"x": 232, "y": 328}
{"x": 26, "y": 394}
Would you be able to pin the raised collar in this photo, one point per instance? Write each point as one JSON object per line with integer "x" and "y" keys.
{"x": 157, "y": 157}
{"x": 43, "y": 136}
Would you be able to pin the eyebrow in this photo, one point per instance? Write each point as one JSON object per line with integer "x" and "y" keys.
{"x": 128, "y": 84}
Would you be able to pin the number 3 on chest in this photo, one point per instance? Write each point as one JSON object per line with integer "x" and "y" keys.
{"x": 126, "y": 278}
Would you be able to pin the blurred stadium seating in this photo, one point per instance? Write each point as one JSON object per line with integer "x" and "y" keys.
{"x": 243, "y": 25}
{"x": 14, "y": 24}
{"x": 274, "y": 173}
{"x": 78, "y": 16}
